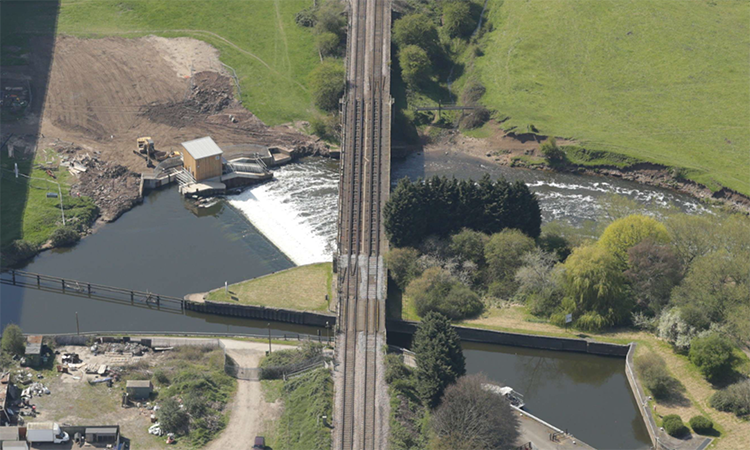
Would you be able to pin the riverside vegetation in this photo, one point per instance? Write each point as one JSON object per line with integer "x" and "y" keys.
{"x": 669, "y": 277}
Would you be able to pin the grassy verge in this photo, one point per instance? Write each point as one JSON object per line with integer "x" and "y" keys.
{"x": 301, "y": 288}
{"x": 25, "y": 210}
{"x": 634, "y": 78}
{"x": 516, "y": 319}
{"x": 306, "y": 399}
{"x": 258, "y": 38}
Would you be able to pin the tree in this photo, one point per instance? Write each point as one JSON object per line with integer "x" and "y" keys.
{"x": 13, "y": 341}
{"x": 457, "y": 20}
{"x": 327, "y": 43}
{"x": 688, "y": 236}
{"x": 440, "y": 359}
{"x": 735, "y": 398}
{"x": 504, "y": 252}
{"x": 473, "y": 418}
{"x": 327, "y": 84}
{"x": 701, "y": 425}
{"x": 674, "y": 329}
{"x": 655, "y": 376}
{"x": 673, "y": 425}
{"x": 539, "y": 284}
{"x": 64, "y": 237}
{"x": 622, "y": 234}
{"x": 551, "y": 151}
{"x": 416, "y": 29}
{"x": 712, "y": 355}
{"x": 595, "y": 285}
{"x": 172, "y": 418}
{"x": 653, "y": 270}
{"x": 415, "y": 65}
{"x": 402, "y": 264}
{"x": 437, "y": 291}
{"x": 330, "y": 18}
{"x": 469, "y": 246}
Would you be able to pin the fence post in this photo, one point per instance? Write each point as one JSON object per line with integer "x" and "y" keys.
{"x": 63, "y": 285}
{"x": 89, "y": 288}
{"x": 157, "y": 301}
{"x": 13, "y": 274}
{"x": 38, "y": 281}
{"x": 131, "y": 297}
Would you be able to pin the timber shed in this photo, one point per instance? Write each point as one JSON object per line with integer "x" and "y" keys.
{"x": 202, "y": 158}
{"x": 139, "y": 389}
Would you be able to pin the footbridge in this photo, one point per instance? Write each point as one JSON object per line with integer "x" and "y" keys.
{"x": 361, "y": 399}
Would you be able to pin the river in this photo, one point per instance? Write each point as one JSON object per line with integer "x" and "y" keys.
{"x": 168, "y": 246}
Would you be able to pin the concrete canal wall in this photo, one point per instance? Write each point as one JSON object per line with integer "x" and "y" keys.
{"x": 262, "y": 313}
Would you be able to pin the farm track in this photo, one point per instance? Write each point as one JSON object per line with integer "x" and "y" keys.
{"x": 361, "y": 406}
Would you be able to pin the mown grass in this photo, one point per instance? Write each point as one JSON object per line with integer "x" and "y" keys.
{"x": 25, "y": 210}
{"x": 303, "y": 288}
{"x": 271, "y": 54}
{"x": 664, "y": 82}
{"x": 306, "y": 398}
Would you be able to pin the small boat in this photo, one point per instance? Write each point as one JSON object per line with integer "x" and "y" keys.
{"x": 515, "y": 398}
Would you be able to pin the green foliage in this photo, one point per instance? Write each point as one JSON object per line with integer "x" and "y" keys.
{"x": 327, "y": 127}
{"x": 306, "y": 398}
{"x": 416, "y": 29}
{"x": 436, "y": 290}
{"x": 701, "y": 424}
{"x": 415, "y": 65}
{"x": 172, "y": 418}
{"x": 551, "y": 151}
{"x": 674, "y": 329}
{"x": 457, "y": 20}
{"x": 17, "y": 252}
{"x": 440, "y": 359}
{"x": 469, "y": 245}
{"x": 327, "y": 84}
{"x": 713, "y": 355}
{"x": 471, "y": 417}
{"x": 595, "y": 285}
{"x": 539, "y": 283}
{"x": 654, "y": 374}
{"x": 64, "y": 237}
{"x": 408, "y": 427}
{"x": 13, "y": 341}
{"x": 161, "y": 377}
{"x": 442, "y": 207}
{"x": 276, "y": 364}
{"x": 327, "y": 43}
{"x": 673, "y": 425}
{"x": 735, "y": 399}
{"x": 504, "y": 255}
{"x": 402, "y": 265}
{"x": 625, "y": 233}
{"x": 554, "y": 242}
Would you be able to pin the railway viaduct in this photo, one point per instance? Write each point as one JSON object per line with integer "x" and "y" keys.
{"x": 361, "y": 407}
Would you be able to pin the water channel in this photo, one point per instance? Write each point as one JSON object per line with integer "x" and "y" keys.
{"x": 169, "y": 246}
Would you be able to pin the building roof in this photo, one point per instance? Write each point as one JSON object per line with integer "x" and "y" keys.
{"x": 33, "y": 349}
{"x": 8, "y": 434}
{"x": 202, "y": 148}
{"x": 35, "y": 339}
{"x": 101, "y": 430}
{"x": 15, "y": 445}
{"x": 138, "y": 384}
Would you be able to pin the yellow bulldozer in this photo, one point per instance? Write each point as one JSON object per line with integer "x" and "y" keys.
{"x": 148, "y": 151}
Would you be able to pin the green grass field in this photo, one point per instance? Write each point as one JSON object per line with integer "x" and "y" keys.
{"x": 25, "y": 210}
{"x": 302, "y": 288}
{"x": 258, "y": 38}
{"x": 661, "y": 81}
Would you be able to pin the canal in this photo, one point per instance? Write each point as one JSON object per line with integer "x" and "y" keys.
{"x": 171, "y": 247}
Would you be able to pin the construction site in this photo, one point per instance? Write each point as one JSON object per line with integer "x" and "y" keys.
{"x": 116, "y": 108}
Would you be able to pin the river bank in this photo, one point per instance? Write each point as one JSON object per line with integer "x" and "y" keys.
{"x": 492, "y": 145}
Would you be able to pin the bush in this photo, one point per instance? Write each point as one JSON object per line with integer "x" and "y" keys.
{"x": 504, "y": 254}
{"x": 713, "y": 355}
{"x": 469, "y": 245}
{"x": 305, "y": 18}
{"x": 161, "y": 377}
{"x": 416, "y": 29}
{"x": 457, "y": 20}
{"x": 18, "y": 251}
{"x": 402, "y": 264}
{"x": 64, "y": 236}
{"x": 437, "y": 291}
{"x": 735, "y": 399}
{"x": 551, "y": 151}
{"x": 327, "y": 84}
{"x": 13, "y": 341}
{"x": 327, "y": 43}
{"x": 701, "y": 424}
{"x": 673, "y": 425}
{"x": 415, "y": 65}
{"x": 172, "y": 417}
{"x": 655, "y": 376}
{"x": 326, "y": 127}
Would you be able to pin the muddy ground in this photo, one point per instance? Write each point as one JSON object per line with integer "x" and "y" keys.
{"x": 102, "y": 94}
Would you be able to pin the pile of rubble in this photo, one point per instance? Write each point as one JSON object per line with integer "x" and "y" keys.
{"x": 120, "y": 348}
{"x": 35, "y": 389}
{"x": 113, "y": 187}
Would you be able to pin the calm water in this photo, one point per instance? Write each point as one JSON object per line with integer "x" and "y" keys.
{"x": 170, "y": 247}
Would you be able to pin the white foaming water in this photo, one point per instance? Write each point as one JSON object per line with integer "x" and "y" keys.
{"x": 297, "y": 210}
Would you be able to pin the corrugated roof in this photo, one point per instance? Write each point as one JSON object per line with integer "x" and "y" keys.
{"x": 35, "y": 339}
{"x": 138, "y": 383}
{"x": 8, "y": 433}
{"x": 15, "y": 445}
{"x": 101, "y": 430}
{"x": 202, "y": 148}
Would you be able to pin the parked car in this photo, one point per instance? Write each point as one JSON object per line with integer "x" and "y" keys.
{"x": 260, "y": 443}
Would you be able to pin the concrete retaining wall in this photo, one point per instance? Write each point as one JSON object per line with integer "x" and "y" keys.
{"x": 263, "y": 313}
{"x": 522, "y": 340}
{"x": 640, "y": 397}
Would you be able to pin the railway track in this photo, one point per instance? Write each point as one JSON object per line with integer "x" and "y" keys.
{"x": 361, "y": 404}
